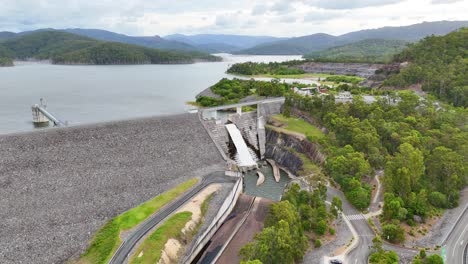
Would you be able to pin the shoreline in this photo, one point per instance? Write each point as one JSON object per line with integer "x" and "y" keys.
{"x": 49, "y": 62}
{"x": 94, "y": 124}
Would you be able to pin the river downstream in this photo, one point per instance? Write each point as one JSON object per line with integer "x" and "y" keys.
{"x": 90, "y": 94}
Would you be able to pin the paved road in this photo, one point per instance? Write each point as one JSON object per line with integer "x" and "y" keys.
{"x": 457, "y": 242}
{"x": 124, "y": 250}
{"x": 361, "y": 252}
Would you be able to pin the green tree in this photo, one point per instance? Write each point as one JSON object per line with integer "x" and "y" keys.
{"x": 403, "y": 173}
{"x": 393, "y": 233}
{"x": 336, "y": 206}
{"x": 446, "y": 171}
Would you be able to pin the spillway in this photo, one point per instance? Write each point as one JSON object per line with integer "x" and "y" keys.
{"x": 244, "y": 155}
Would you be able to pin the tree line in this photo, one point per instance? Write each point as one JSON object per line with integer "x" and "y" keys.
{"x": 289, "y": 224}
{"x": 272, "y": 68}
{"x": 66, "y": 48}
{"x": 439, "y": 64}
{"x": 421, "y": 148}
{"x": 231, "y": 91}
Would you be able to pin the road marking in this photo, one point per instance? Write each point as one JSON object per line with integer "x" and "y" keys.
{"x": 461, "y": 236}
{"x": 356, "y": 217}
{"x": 355, "y": 261}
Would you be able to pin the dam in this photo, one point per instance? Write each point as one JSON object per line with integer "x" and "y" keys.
{"x": 60, "y": 185}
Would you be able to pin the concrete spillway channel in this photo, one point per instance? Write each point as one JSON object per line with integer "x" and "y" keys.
{"x": 244, "y": 222}
{"x": 127, "y": 245}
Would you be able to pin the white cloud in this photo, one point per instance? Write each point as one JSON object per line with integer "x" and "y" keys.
{"x": 252, "y": 17}
{"x": 349, "y": 4}
{"x": 445, "y": 1}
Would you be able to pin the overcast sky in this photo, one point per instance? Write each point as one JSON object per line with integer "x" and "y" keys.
{"x": 249, "y": 17}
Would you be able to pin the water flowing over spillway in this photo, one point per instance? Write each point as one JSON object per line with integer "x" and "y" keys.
{"x": 244, "y": 155}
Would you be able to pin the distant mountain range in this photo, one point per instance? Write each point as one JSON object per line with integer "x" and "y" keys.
{"x": 366, "y": 51}
{"x": 222, "y": 43}
{"x": 316, "y": 42}
{"x": 262, "y": 45}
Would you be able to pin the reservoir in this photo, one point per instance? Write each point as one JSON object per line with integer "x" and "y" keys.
{"x": 90, "y": 94}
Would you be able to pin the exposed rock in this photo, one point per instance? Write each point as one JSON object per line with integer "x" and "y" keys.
{"x": 281, "y": 147}
{"x": 417, "y": 219}
{"x": 208, "y": 93}
{"x": 359, "y": 69}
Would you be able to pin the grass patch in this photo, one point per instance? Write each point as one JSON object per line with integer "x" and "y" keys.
{"x": 203, "y": 209}
{"x": 206, "y": 204}
{"x": 249, "y": 108}
{"x": 299, "y": 126}
{"x": 155, "y": 243}
{"x": 308, "y": 167}
{"x": 107, "y": 239}
{"x": 152, "y": 247}
{"x": 193, "y": 103}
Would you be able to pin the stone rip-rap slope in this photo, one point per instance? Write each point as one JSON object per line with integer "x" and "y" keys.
{"x": 59, "y": 186}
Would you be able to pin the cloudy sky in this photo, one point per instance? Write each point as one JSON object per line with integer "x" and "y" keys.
{"x": 249, "y": 17}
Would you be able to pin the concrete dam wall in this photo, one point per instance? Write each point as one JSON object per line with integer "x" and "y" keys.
{"x": 59, "y": 186}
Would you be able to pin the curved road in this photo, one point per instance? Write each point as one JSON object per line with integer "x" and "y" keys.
{"x": 360, "y": 253}
{"x": 456, "y": 245}
{"x": 126, "y": 247}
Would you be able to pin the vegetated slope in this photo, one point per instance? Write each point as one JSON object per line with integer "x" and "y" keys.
{"x": 409, "y": 33}
{"x": 439, "y": 64}
{"x": 4, "y": 35}
{"x": 217, "y": 48}
{"x": 66, "y": 48}
{"x": 369, "y": 50}
{"x": 221, "y": 42}
{"x": 6, "y": 62}
{"x": 294, "y": 46}
{"x": 146, "y": 41}
{"x": 315, "y": 42}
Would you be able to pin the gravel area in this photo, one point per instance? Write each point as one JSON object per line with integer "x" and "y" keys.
{"x": 59, "y": 186}
{"x": 343, "y": 236}
{"x": 213, "y": 208}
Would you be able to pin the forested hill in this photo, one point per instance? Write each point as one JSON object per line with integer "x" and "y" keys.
{"x": 439, "y": 64}
{"x": 369, "y": 50}
{"x": 316, "y": 42}
{"x": 66, "y": 48}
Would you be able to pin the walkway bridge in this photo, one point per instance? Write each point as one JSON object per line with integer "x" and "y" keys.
{"x": 42, "y": 116}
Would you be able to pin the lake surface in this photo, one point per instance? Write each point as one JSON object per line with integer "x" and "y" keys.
{"x": 89, "y": 94}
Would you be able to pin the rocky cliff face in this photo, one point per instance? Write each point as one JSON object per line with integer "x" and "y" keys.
{"x": 283, "y": 148}
{"x": 359, "y": 69}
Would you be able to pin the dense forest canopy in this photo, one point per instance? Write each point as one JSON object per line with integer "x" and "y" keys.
{"x": 66, "y": 48}
{"x": 439, "y": 64}
{"x": 231, "y": 91}
{"x": 275, "y": 68}
{"x": 422, "y": 149}
{"x": 365, "y": 51}
{"x": 290, "y": 224}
